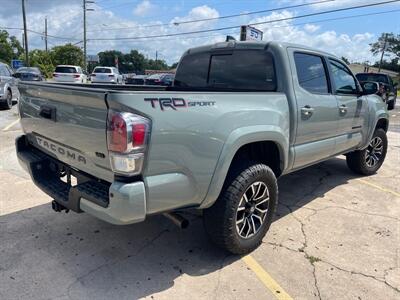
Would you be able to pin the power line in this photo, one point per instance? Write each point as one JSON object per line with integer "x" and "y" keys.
{"x": 40, "y": 33}
{"x": 217, "y": 18}
{"x": 231, "y": 31}
{"x": 251, "y": 24}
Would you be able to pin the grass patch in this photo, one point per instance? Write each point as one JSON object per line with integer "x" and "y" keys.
{"x": 313, "y": 259}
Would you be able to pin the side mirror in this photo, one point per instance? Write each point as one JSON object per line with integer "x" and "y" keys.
{"x": 15, "y": 75}
{"x": 370, "y": 87}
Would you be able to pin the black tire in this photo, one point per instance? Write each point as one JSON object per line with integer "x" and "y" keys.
{"x": 391, "y": 105}
{"x": 357, "y": 161}
{"x": 220, "y": 219}
{"x": 7, "y": 103}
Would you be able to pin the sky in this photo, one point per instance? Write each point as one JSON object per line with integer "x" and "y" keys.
{"x": 343, "y": 33}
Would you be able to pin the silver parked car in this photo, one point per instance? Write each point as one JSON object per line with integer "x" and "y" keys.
{"x": 8, "y": 87}
{"x": 106, "y": 75}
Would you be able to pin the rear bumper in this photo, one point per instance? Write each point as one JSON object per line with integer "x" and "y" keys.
{"x": 117, "y": 203}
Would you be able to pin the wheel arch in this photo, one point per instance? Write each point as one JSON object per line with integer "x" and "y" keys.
{"x": 251, "y": 142}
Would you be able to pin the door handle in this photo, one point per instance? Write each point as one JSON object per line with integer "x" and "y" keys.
{"x": 342, "y": 109}
{"x": 48, "y": 112}
{"x": 307, "y": 111}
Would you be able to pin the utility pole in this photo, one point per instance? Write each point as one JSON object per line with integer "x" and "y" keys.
{"x": 25, "y": 35}
{"x": 85, "y": 9}
{"x": 45, "y": 33}
{"x": 156, "y": 56}
{"x": 383, "y": 52}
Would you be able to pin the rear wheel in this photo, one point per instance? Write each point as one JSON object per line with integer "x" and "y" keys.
{"x": 391, "y": 105}
{"x": 370, "y": 159}
{"x": 7, "y": 104}
{"x": 241, "y": 216}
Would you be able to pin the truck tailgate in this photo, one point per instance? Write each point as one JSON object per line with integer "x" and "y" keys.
{"x": 68, "y": 123}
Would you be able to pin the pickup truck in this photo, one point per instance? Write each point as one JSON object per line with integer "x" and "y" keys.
{"x": 238, "y": 116}
{"x": 388, "y": 89}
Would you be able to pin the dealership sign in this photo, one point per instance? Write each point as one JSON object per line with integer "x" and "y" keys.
{"x": 250, "y": 33}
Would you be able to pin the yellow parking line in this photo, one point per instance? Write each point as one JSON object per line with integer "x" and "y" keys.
{"x": 11, "y": 125}
{"x": 379, "y": 187}
{"x": 266, "y": 279}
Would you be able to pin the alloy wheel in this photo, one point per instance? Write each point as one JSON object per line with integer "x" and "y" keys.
{"x": 252, "y": 210}
{"x": 373, "y": 153}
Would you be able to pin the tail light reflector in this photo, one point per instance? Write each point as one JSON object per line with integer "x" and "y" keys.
{"x": 77, "y": 76}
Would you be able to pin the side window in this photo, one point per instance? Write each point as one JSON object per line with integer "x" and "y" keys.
{"x": 9, "y": 71}
{"x": 2, "y": 71}
{"x": 343, "y": 78}
{"x": 311, "y": 73}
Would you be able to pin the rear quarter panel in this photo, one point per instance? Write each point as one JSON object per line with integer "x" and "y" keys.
{"x": 191, "y": 147}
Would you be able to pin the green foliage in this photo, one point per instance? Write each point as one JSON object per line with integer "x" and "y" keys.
{"x": 10, "y": 47}
{"x": 392, "y": 50}
{"x": 67, "y": 55}
{"x": 132, "y": 62}
{"x": 42, "y": 60}
{"x": 392, "y": 44}
{"x": 345, "y": 60}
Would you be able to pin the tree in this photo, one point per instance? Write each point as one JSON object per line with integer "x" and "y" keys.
{"x": 345, "y": 60}
{"x": 392, "y": 44}
{"x": 156, "y": 64}
{"x": 134, "y": 61}
{"x": 10, "y": 47}
{"x": 108, "y": 58}
{"x": 42, "y": 60}
{"x": 174, "y": 65}
{"x": 67, "y": 55}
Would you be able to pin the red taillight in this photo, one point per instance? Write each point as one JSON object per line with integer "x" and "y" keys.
{"x": 55, "y": 74}
{"x": 93, "y": 74}
{"x": 110, "y": 75}
{"x": 77, "y": 76}
{"x": 138, "y": 135}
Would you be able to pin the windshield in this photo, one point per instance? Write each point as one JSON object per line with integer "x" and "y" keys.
{"x": 102, "y": 70}
{"x": 372, "y": 77}
{"x": 65, "y": 70}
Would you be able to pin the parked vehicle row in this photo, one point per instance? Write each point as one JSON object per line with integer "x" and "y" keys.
{"x": 8, "y": 87}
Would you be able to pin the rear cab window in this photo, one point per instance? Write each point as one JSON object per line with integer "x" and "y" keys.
{"x": 240, "y": 70}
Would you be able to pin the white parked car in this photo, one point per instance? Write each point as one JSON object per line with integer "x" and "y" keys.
{"x": 67, "y": 73}
{"x": 106, "y": 75}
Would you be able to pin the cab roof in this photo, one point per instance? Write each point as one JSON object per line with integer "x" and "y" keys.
{"x": 256, "y": 45}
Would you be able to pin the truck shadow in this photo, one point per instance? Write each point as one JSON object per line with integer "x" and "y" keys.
{"x": 79, "y": 257}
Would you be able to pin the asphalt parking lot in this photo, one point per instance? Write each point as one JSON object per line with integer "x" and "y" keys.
{"x": 336, "y": 236}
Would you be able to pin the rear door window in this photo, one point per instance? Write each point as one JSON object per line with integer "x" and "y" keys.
{"x": 311, "y": 73}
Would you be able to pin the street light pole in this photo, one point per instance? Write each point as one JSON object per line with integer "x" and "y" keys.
{"x": 25, "y": 35}
{"x": 85, "y": 9}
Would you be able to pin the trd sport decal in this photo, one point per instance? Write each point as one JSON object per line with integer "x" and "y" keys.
{"x": 175, "y": 103}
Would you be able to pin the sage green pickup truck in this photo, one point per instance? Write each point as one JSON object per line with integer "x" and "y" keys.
{"x": 238, "y": 116}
